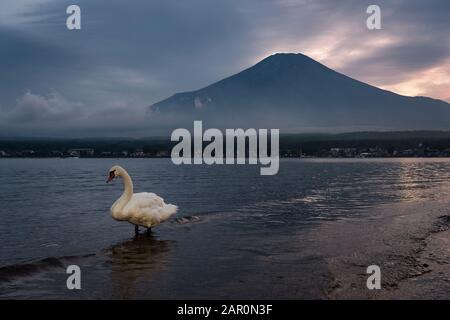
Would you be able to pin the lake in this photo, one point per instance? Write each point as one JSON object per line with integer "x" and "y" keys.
{"x": 255, "y": 236}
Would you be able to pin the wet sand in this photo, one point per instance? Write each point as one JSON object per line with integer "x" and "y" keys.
{"x": 410, "y": 242}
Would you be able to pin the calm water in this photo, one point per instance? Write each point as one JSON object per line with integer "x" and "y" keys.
{"x": 60, "y": 207}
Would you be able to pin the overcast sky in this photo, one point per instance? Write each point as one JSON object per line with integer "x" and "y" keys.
{"x": 99, "y": 81}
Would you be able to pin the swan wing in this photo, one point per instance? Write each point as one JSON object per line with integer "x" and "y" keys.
{"x": 147, "y": 209}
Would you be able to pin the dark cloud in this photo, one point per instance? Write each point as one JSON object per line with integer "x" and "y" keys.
{"x": 30, "y": 61}
{"x": 397, "y": 62}
{"x": 129, "y": 55}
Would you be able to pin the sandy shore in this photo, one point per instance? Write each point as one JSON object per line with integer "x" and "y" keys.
{"x": 410, "y": 242}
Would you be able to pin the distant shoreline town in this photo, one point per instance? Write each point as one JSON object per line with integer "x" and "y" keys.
{"x": 346, "y": 145}
{"x": 373, "y": 152}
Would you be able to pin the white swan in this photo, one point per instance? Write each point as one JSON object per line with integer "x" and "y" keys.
{"x": 141, "y": 209}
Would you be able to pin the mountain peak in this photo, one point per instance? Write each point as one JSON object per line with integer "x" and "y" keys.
{"x": 289, "y": 58}
{"x": 293, "y": 92}
{"x": 286, "y": 55}
{"x": 289, "y": 66}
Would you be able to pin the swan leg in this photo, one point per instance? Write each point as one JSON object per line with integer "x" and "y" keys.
{"x": 149, "y": 231}
{"x": 136, "y": 229}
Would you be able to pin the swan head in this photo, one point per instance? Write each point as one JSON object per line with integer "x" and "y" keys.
{"x": 115, "y": 171}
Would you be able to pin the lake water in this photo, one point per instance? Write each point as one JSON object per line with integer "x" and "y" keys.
{"x": 253, "y": 237}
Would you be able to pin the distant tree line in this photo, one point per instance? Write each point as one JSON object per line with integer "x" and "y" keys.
{"x": 418, "y": 143}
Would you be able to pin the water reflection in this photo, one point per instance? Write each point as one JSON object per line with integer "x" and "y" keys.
{"x": 136, "y": 262}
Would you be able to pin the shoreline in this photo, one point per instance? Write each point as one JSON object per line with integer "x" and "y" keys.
{"x": 281, "y": 157}
{"x": 409, "y": 244}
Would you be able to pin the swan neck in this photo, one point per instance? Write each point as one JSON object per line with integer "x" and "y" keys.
{"x": 128, "y": 184}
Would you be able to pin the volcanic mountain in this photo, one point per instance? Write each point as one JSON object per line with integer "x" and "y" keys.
{"x": 298, "y": 94}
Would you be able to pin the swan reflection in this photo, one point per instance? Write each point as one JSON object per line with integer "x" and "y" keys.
{"x": 135, "y": 263}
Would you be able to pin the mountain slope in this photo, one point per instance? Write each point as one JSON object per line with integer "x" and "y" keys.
{"x": 297, "y": 94}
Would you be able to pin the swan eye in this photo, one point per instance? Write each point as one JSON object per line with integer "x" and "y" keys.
{"x": 112, "y": 174}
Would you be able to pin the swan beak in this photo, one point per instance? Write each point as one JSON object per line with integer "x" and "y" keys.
{"x": 111, "y": 177}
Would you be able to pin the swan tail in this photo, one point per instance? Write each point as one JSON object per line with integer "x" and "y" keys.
{"x": 168, "y": 211}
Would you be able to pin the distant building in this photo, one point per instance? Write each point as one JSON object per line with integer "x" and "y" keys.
{"x": 406, "y": 153}
{"x": 27, "y": 153}
{"x": 138, "y": 153}
{"x": 56, "y": 153}
{"x": 350, "y": 152}
{"x": 364, "y": 154}
{"x": 336, "y": 152}
{"x": 80, "y": 152}
{"x": 162, "y": 154}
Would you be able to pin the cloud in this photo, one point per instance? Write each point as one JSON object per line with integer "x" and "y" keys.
{"x": 130, "y": 55}
{"x": 413, "y": 40}
{"x": 15, "y": 12}
{"x": 34, "y": 108}
{"x": 53, "y": 114}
